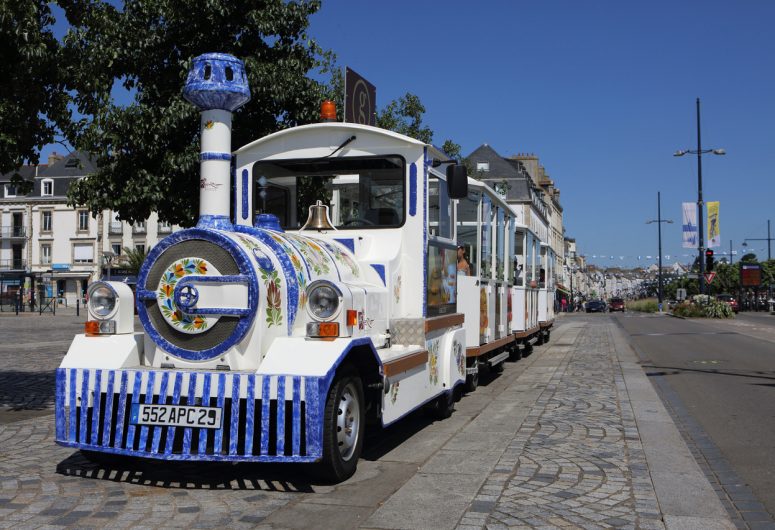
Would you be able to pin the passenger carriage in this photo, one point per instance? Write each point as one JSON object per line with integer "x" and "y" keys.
{"x": 321, "y": 296}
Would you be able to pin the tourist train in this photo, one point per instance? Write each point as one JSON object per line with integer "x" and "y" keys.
{"x": 318, "y": 293}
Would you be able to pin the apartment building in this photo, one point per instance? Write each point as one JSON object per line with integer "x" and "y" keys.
{"x": 54, "y": 250}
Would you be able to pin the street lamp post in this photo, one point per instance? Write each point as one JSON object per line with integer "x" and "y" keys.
{"x": 699, "y": 152}
{"x": 659, "y": 222}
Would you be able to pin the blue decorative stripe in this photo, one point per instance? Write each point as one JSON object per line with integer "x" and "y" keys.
{"x": 314, "y": 426}
{"x": 212, "y": 155}
{"x": 235, "y": 387}
{"x": 148, "y": 400}
{"x": 121, "y": 407}
{"x": 250, "y": 413}
{"x": 265, "y": 416}
{"x": 165, "y": 377}
{"x": 281, "y": 415}
{"x": 221, "y": 401}
{"x": 296, "y": 415}
{"x": 413, "y": 189}
{"x": 245, "y": 267}
{"x": 245, "y": 191}
{"x": 214, "y": 222}
{"x": 349, "y": 243}
{"x": 381, "y": 271}
{"x": 205, "y": 403}
{"x": 188, "y": 431}
{"x": 176, "y": 390}
{"x": 73, "y": 409}
{"x": 109, "y": 406}
{"x": 95, "y": 419}
{"x": 61, "y": 376}
{"x": 84, "y": 406}
{"x": 130, "y": 432}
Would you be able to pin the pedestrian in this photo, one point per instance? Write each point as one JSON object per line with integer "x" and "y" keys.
{"x": 564, "y": 304}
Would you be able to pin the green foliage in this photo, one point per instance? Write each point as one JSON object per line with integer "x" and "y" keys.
{"x": 688, "y": 310}
{"x": 33, "y": 99}
{"x": 704, "y": 306}
{"x": 148, "y": 151}
{"x": 749, "y": 258}
{"x": 405, "y": 116}
{"x": 649, "y": 305}
{"x": 133, "y": 259}
{"x": 717, "y": 309}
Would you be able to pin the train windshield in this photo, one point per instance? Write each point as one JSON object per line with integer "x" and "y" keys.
{"x": 361, "y": 192}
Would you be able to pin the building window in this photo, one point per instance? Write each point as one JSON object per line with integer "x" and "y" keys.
{"x": 83, "y": 253}
{"x": 116, "y": 247}
{"x": 45, "y": 254}
{"x": 139, "y": 227}
{"x": 47, "y": 187}
{"x": 83, "y": 220}
{"x": 140, "y": 248}
{"x": 164, "y": 227}
{"x": 10, "y": 190}
{"x": 483, "y": 166}
{"x": 46, "y": 221}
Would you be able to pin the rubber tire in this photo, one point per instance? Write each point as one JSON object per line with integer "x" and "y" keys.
{"x": 472, "y": 382}
{"x": 497, "y": 369}
{"x": 540, "y": 340}
{"x": 442, "y": 407}
{"x": 548, "y": 335}
{"x": 515, "y": 354}
{"x": 333, "y": 467}
{"x": 527, "y": 350}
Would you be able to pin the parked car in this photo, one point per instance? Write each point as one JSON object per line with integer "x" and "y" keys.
{"x": 616, "y": 304}
{"x": 596, "y": 306}
{"x": 729, "y": 299}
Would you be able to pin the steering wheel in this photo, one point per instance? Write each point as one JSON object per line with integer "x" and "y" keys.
{"x": 360, "y": 220}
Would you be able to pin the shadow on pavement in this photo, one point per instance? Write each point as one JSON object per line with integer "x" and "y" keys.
{"x": 26, "y": 390}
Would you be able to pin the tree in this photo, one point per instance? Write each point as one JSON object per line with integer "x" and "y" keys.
{"x": 33, "y": 99}
{"x": 148, "y": 151}
{"x": 749, "y": 258}
{"x": 405, "y": 116}
{"x": 134, "y": 258}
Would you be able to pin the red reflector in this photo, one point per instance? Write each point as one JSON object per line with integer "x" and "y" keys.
{"x": 329, "y": 329}
{"x": 352, "y": 317}
{"x": 91, "y": 327}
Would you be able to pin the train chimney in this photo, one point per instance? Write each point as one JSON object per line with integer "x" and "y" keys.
{"x": 218, "y": 86}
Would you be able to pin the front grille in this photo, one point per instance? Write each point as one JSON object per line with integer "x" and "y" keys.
{"x": 264, "y": 417}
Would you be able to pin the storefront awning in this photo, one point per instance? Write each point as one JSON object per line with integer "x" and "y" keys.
{"x": 561, "y": 287}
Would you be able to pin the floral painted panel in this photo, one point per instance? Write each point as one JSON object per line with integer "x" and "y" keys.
{"x": 187, "y": 323}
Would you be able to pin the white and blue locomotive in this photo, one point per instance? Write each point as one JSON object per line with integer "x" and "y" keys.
{"x": 321, "y": 294}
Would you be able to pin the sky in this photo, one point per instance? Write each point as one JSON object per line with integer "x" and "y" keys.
{"x": 602, "y": 91}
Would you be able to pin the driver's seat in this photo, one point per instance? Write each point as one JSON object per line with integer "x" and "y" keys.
{"x": 382, "y": 216}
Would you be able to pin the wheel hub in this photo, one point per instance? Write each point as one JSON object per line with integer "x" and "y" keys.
{"x": 348, "y": 422}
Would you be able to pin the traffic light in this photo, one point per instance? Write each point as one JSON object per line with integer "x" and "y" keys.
{"x": 708, "y": 260}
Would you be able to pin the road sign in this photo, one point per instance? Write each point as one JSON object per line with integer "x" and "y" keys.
{"x": 680, "y": 294}
{"x": 709, "y": 277}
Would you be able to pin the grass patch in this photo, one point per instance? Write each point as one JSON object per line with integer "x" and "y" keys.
{"x": 648, "y": 305}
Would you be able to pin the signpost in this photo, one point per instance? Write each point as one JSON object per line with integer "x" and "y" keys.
{"x": 360, "y": 99}
{"x": 709, "y": 277}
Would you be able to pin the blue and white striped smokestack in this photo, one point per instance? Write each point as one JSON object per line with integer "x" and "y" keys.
{"x": 217, "y": 84}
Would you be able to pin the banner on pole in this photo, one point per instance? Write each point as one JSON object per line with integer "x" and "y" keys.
{"x": 690, "y": 232}
{"x": 714, "y": 237}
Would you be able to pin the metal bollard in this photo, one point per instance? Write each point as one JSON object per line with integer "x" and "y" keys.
{"x": 77, "y": 307}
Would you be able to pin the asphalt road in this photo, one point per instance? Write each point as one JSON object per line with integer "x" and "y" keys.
{"x": 724, "y": 374}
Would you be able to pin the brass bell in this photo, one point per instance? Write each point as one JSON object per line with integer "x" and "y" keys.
{"x": 318, "y": 218}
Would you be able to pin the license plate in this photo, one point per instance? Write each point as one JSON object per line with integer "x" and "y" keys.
{"x": 176, "y": 416}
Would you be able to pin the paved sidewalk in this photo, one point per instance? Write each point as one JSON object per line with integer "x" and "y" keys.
{"x": 573, "y": 436}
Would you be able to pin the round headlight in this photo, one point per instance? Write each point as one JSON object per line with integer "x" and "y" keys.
{"x": 102, "y": 300}
{"x": 323, "y": 301}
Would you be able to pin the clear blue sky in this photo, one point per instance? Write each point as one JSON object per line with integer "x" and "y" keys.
{"x": 603, "y": 92}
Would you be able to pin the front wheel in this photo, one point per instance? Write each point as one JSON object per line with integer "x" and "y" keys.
{"x": 343, "y": 427}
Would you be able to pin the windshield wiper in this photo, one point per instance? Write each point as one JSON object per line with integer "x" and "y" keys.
{"x": 341, "y": 146}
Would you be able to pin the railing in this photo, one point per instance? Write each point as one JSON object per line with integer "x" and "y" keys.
{"x": 138, "y": 229}
{"x": 115, "y": 227}
{"x": 165, "y": 228}
{"x": 12, "y": 231}
{"x": 13, "y": 264}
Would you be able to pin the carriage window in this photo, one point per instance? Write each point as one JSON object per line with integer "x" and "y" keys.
{"x": 361, "y": 192}
{"x": 518, "y": 255}
{"x": 487, "y": 221}
{"x": 439, "y": 217}
{"x": 467, "y": 228}
{"x": 529, "y": 257}
{"x": 510, "y": 238}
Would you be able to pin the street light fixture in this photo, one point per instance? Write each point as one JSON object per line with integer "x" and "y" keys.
{"x": 659, "y": 222}
{"x": 699, "y": 152}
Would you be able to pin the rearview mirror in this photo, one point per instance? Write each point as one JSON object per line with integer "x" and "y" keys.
{"x": 457, "y": 181}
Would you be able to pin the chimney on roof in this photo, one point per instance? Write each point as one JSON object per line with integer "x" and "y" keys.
{"x": 54, "y": 157}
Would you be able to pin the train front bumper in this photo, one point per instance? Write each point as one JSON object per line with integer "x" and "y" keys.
{"x": 261, "y": 418}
